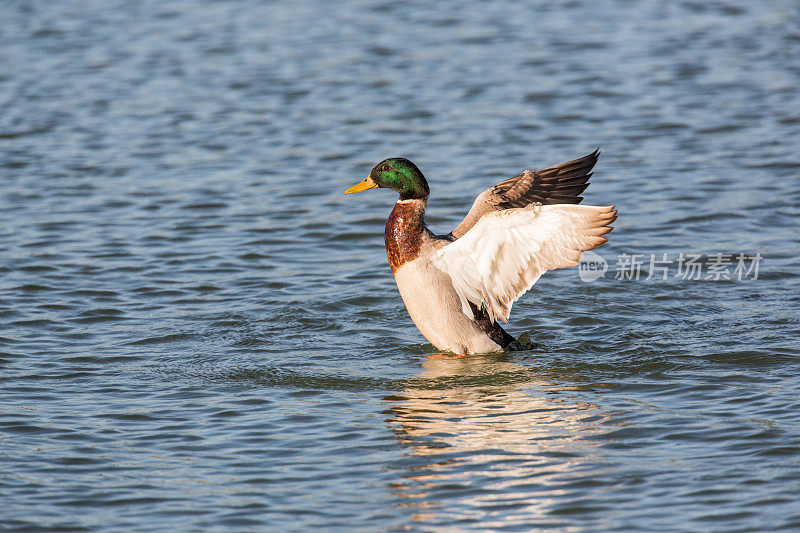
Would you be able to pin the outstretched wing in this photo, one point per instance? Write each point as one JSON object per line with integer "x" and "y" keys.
{"x": 505, "y": 252}
{"x": 559, "y": 184}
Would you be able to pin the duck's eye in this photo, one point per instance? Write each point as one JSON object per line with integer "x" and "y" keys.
{"x": 384, "y": 168}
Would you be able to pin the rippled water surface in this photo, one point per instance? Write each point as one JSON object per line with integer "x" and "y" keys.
{"x": 198, "y": 330}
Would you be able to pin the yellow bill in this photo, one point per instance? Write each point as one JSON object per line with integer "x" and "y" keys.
{"x": 362, "y": 186}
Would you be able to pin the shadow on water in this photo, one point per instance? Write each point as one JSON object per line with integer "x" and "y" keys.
{"x": 484, "y": 434}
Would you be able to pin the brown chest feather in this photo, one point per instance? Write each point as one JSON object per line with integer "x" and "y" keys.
{"x": 404, "y": 233}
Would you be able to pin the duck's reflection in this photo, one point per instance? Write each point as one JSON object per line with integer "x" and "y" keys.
{"x": 489, "y": 442}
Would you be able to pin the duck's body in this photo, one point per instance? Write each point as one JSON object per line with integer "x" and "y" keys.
{"x": 428, "y": 293}
{"x": 456, "y": 286}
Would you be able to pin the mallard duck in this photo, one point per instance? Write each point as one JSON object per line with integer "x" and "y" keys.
{"x": 457, "y": 286}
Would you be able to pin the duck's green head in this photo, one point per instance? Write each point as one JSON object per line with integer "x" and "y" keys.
{"x": 396, "y": 173}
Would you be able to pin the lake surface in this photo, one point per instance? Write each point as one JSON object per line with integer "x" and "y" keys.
{"x": 199, "y": 331}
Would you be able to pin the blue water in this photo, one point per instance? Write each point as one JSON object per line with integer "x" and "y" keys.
{"x": 199, "y": 331}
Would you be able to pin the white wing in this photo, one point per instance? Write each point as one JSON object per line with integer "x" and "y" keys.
{"x": 559, "y": 184}
{"x": 505, "y": 252}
